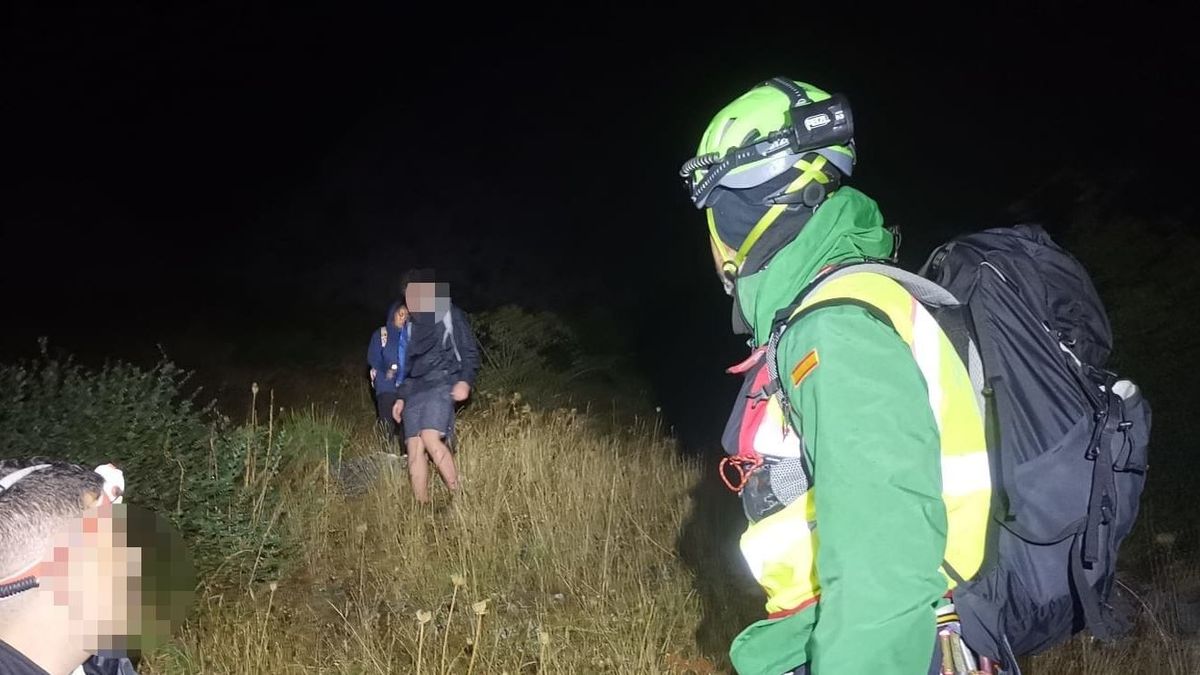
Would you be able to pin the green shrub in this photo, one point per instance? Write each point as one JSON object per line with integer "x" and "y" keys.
{"x": 548, "y": 361}
{"x": 179, "y": 457}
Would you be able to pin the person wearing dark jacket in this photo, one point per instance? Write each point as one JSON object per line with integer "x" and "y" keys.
{"x": 442, "y": 361}
{"x": 386, "y": 358}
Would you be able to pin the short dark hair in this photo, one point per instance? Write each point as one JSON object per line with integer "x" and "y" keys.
{"x": 422, "y": 275}
{"x": 34, "y": 507}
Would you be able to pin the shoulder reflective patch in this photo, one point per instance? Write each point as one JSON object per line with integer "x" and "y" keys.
{"x": 805, "y": 366}
{"x": 383, "y": 336}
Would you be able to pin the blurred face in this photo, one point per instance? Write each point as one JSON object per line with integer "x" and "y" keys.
{"x": 419, "y": 297}
{"x": 400, "y": 317}
{"x": 93, "y": 574}
{"x": 427, "y": 297}
{"x": 97, "y": 576}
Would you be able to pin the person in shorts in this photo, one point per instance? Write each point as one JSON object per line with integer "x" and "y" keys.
{"x": 442, "y": 361}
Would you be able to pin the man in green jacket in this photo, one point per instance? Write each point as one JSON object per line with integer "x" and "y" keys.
{"x": 779, "y": 219}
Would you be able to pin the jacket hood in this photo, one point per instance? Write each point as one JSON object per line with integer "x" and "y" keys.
{"x": 848, "y": 226}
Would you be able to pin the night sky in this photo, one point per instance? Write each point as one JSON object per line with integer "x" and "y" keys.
{"x": 218, "y": 170}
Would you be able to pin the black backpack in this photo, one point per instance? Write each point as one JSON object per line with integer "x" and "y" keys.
{"x": 1067, "y": 441}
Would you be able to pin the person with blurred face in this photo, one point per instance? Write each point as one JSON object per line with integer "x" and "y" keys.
{"x": 72, "y": 561}
{"x": 442, "y": 362}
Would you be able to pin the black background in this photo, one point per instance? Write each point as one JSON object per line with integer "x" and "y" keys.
{"x": 226, "y": 171}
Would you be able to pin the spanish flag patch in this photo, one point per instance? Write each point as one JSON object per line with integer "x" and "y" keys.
{"x": 805, "y": 366}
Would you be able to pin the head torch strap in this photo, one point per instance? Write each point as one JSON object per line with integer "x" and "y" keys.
{"x": 20, "y": 585}
{"x": 775, "y": 142}
{"x": 696, "y": 163}
{"x": 12, "y": 478}
{"x": 796, "y": 95}
{"x": 111, "y": 492}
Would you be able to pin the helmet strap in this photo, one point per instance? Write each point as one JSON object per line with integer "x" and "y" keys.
{"x": 809, "y": 189}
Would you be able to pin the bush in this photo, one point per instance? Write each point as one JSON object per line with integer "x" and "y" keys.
{"x": 547, "y": 360}
{"x": 179, "y": 458}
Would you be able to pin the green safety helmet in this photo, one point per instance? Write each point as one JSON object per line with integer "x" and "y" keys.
{"x": 767, "y": 131}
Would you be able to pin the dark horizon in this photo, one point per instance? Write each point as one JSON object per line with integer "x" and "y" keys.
{"x": 226, "y": 173}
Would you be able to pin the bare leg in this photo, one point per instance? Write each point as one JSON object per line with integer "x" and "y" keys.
{"x": 418, "y": 469}
{"x": 442, "y": 458}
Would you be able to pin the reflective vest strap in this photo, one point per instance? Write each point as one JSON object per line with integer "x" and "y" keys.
{"x": 781, "y": 551}
{"x": 945, "y": 376}
{"x": 966, "y": 478}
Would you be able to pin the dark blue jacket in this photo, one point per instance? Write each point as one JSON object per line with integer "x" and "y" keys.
{"x": 387, "y": 353}
{"x": 441, "y": 350}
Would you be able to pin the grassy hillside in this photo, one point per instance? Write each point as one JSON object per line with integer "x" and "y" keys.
{"x": 583, "y": 541}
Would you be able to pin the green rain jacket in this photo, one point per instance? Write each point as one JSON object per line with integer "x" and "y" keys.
{"x": 873, "y": 447}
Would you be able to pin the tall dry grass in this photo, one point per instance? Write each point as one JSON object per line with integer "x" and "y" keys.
{"x": 559, "y": 557}
{"x": 1164, "y": 604}
{"x": 582, "y": 543}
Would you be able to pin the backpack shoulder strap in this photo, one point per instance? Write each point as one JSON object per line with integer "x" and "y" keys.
{"x": 448, "y": 333}
{"x": 933, "y": 296}
{"x": 924, "y": 290}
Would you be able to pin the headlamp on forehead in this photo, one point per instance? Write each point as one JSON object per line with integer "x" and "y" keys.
{"x": 811, "y": 126}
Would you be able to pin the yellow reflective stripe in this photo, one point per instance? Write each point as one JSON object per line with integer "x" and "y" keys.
{"x": 781, "y": 552}
{"x": 966, "y": 479}
{"x": 925, "y": 335}
{"x": 965, "y": 474}
{"x": 757, "y": 232}
{"x": 712, "y": 225}
{"x": 881, "y": 292}
{"x": 782, "y": 549}
{"x": 949, "y": 386}
{"x": 726, "y": 252}
{"x": 810, "y": 171}
{"x": 765, "y": 539}
{"x": 966, "y": 536}
{"x": 962, "y": 423}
